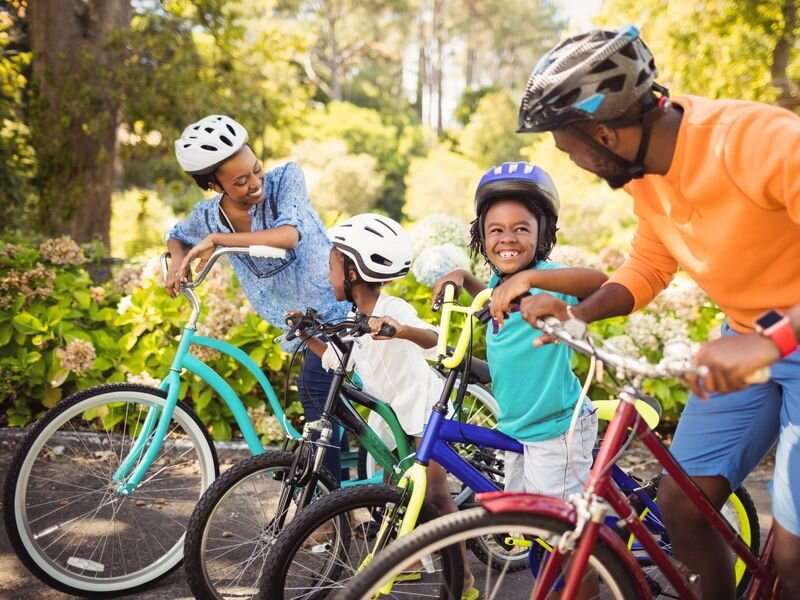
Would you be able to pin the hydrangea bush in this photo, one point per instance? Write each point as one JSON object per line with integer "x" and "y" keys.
{"x": 60, "y": 332}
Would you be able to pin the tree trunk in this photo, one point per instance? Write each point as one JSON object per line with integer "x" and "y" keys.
{"x": 781, "y": 55}
{"x": 74, "y": 120}
{"x": 438, "y": 28}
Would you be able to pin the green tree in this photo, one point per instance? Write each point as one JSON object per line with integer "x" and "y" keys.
{"x": 490, "y": 137}
{"x": 720, "y": 48}
{"x": 442, "y": 182}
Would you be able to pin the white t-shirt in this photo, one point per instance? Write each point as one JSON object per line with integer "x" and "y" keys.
{"x": 394, "y": 371}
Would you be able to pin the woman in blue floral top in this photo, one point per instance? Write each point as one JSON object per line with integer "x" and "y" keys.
{"x": 256, "y": 208}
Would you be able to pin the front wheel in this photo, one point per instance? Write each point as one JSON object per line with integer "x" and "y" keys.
{"x": 234, "y": 525}
{"x": 608, "y": 577}
{"x": 330, "y": 541}
{"x": 66, "y": 517}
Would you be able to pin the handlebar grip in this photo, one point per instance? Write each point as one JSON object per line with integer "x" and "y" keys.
{"x": 761, "y": 375}
{"x": 387, "y": 330}
{"x": 266, "y": 252}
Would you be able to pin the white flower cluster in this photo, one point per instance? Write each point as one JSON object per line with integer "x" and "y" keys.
{"x": 641, "y": 328}
{"x": 266, "y": 425}
{"x": 622, "y": 344}
{"x": 572, "y": 256}
{"x": 77, "y": 356}
{"x": 436, "y": 261}
{"x": 143, "y": 378}
{"x": 437, "y": 230}
{"x": 683, "y": 298}
{"x": 62, "y": 251}
{"x": 221, "y": 313}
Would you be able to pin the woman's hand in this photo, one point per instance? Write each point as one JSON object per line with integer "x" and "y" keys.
{"x": 201, "y": 251}
{"x": 455, "y": 277}
{"x": 505, "y": 293}
{"x": 175, "y": 277}
{"x": 375, "y": 324}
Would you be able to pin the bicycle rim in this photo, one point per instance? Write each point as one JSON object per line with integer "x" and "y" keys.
{"x": 72, "y": 522}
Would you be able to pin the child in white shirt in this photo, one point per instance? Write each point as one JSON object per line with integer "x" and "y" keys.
{"x": 368, "y": 251}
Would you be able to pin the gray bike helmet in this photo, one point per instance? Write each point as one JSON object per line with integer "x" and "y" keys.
{"x": 596, "y": 75}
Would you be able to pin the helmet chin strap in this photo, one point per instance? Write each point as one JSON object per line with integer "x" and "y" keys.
{"x": 632, "y": 169}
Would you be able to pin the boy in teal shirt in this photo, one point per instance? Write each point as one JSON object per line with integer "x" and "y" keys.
{"x": 516, "y": 207}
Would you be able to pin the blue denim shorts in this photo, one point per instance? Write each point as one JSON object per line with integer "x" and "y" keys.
{"x": 729, "y": 434}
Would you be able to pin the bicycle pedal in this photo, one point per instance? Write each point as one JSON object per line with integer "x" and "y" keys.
{"x": 517, "y": 542}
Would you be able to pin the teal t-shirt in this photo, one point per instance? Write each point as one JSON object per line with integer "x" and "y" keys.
{"x": 535, "y": 388}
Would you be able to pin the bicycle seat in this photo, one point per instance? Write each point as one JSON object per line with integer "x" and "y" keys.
{"x": 650, "y": 413}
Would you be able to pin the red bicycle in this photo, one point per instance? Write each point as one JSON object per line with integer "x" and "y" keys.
{"x": 584, "y": 547}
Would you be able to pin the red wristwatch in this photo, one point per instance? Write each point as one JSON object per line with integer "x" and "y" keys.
{"x": 778, "y": 328}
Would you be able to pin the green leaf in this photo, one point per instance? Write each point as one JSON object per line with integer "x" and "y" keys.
{"x": 59, "y": 377}
{"x": 27, "y": 323}
{"x": 83, "y": 298}
{"x": 221, "y": 430}
{"x": 51, "y": 397}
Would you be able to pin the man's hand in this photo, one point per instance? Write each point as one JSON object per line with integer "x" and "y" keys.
{"x": 730, "y": 360}
{"x": 539, "y": 306}
{"x": 456, "y": 277}
{"x": 502, "y": 296}
{"x": 202, "y": 251}
{"x": 375, "y": 324}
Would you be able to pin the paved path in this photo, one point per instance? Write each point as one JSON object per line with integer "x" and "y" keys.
{"x": 16, "y": 583}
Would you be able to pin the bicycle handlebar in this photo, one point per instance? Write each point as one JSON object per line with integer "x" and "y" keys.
{"x": 355, "y": 327}
{"x": 257, "y": 251}
{"x": 675, "y": 363}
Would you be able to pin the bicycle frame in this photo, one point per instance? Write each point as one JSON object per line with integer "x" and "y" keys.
{"x": 145, "y": 449}
{"x": 601, "y": 485}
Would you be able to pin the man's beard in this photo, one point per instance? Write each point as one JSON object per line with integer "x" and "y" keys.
{"x": 617, "y": 181}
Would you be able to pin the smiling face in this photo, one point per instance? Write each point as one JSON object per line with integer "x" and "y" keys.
{"x": 241, "y": 178}
{"x": 510, "y": 235}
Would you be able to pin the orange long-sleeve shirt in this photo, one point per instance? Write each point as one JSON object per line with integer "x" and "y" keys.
{"x": 727, "y": 212}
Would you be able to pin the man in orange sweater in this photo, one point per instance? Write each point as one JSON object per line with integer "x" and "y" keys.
{"x": 716, "y": 189}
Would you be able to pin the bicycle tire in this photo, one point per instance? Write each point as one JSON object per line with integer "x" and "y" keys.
{"x": 334, "y": 506}
{"x": 204, "y": 580}
{"x": 55, "y": 448}
{"x": 449, "y": 530}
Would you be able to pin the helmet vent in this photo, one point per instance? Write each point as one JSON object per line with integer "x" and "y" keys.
{"x": 567, "y": 99}
{"x": 385, "y": 224}
{"x": 371, "y": 230}
{"x": 209, "y": 148}
{"x": 612, "y": 84}
{"x": 209, "y": 129}
{"x": 381, "y": 260}
{"x": 605, "y": 65}
{"x": 629, "y": 51}
{"x": 226, "y": 140}
{"x": 643, "y": 75}
{"x": 230, "y": 128}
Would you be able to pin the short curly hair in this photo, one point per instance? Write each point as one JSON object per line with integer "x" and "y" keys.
{"x": 544, "y": 245}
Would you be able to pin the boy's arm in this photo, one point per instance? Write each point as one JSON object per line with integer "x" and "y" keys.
{"x": 422, "y": 337}
{"x": 463, "y": 280}
{"x": 573, "y": 281}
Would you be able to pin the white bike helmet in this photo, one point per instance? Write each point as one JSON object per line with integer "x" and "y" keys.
{"x": 209, "y": 142}
{"x": 378, "y": 246}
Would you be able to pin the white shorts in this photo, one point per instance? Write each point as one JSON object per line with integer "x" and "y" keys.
{"x": 543, "y": 468}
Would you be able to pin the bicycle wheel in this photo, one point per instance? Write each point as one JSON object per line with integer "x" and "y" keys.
{"x": 233, "y": 526}
{"x": 328, "y": 542}
{"x": 740, "y": 511}
{"x": 65, "y": 517}
{"x": 613, "y": 579}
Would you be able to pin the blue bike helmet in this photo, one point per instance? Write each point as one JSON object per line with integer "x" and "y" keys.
{"x": 520, "y": 181}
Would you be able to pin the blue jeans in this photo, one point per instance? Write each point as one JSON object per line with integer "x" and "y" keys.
{"x": 313, "y": 388}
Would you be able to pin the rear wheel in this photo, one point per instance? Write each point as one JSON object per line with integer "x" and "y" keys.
{"x": 330, "y": 541}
